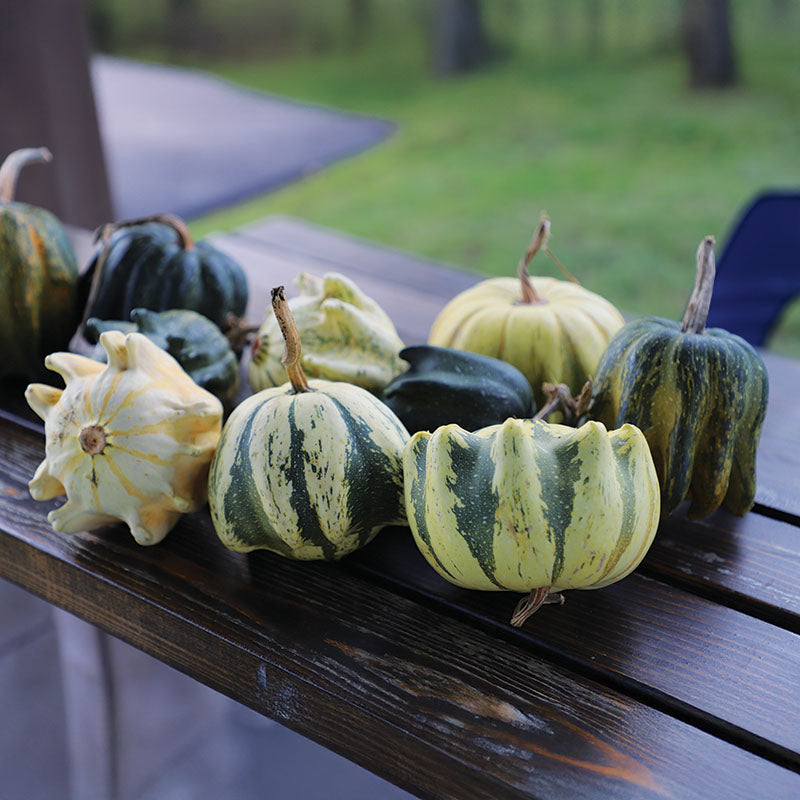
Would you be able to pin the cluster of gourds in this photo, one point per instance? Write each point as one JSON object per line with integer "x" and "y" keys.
{"x": 313, "y": 468}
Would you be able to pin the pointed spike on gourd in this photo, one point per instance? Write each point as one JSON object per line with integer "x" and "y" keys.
{"x": 113, "y": 342}
{"x": 144, "y": 318}
{"x": 149, "y": 525}
{"x": 72, "y": 365}
{"x": 41, "y": 398}
{"x": 43, "y": 486}
{"x": 309, "y": 284}
{"x": 71, "y": 518}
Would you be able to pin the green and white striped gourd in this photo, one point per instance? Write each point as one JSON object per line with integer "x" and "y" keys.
{"x": 699, "y": 395}
{"x": 346, "y": 336}
{"x": 531, "y": 507}
{"x": 308, "y": 470}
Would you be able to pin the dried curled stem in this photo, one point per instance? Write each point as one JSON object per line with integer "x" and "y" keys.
{"x": 13, "y": 165}
{"x": 560, "y": 399}
{"x": 532, "y": 603}
{"x": 529, "y": 294}
{"x": 291, "y": 338}
{"x": 694, "y": 320}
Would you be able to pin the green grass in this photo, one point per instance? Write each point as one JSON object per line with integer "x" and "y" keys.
{"x": 632, "y": 168}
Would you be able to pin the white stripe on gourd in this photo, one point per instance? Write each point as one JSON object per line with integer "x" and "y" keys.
{"x": 129, "y": 440}
{"x": 525, "y": 505}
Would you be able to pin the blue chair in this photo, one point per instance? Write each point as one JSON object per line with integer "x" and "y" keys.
{"x": 758, "y": 273}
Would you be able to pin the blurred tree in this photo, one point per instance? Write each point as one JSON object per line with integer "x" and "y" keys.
{"x": 707, "y": 42}
{"x": 360, "y": 16}
{"x": 460, "y": 41}
{"x": 181, "y": 25}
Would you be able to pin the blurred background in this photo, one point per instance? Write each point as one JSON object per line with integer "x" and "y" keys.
{"x": 639, "y": 125}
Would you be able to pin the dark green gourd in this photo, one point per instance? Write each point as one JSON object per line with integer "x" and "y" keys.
{"x": 154, "y": 263}
{"x": 195, "y": 342}
{"x": 699, "y": 396}
{"x": 443, "y": 386}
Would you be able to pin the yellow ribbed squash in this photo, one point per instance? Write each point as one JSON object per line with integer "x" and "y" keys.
{"x": 346, "y": 336}
{"x": 310, "y": 470}
{"x": 129, "y": 440}
{"x": 553, "y": 331}
{"x": 531, "y": 507}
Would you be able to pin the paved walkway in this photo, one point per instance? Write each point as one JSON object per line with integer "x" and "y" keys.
{"x": 182, "y": 141}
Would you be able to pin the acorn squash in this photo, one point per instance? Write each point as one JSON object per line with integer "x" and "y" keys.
{"x": 698, "y": 394}
{"x": 443, "y": 386}
{"x": 195, "y": 342}
{"x": 553, "y": 331}
{"x": 308, "y": 470}
{"x": 154, "y": 263}
{"x": 531, "y": 507}
{"x": 129, "y": 440}
{"x": 38, "y": 277}
{"x": 346, "y": 336}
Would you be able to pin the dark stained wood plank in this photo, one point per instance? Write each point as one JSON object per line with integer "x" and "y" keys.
{"x": 361, "y": 258}
{"x": 438, "y": 706}
{"x": 723, "y": 670}
{"x": 751, "y": 563}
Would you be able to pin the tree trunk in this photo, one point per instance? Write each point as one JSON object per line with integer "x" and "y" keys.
{"x": 708, "y": 44}
{"x": 460, "y": 42}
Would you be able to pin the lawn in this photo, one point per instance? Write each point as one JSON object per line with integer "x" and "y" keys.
{"x": 632, "y": 167}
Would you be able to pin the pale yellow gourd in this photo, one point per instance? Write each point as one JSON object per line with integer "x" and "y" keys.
{"x": 346, "y": 337}
{"x": 129, "y": 440}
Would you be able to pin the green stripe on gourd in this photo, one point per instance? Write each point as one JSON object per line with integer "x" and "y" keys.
{"x": 699, "y": 395}
{"x": 526, "y": 505}
{"x": 309, "y": 470}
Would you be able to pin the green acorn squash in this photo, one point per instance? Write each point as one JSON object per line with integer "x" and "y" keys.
{"x": 346, "y": 336}
{"x": 308, "y": 470}
{"x": 195, "y": 342}
{"x": 38, "y": 277}
{"x": 698, "y": 394}
{"x": 531, "y": 507}
{"x": 443, "y": 386}
{"x": 154, "y": 263}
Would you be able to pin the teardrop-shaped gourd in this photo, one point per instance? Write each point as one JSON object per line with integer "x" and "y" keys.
{"x": 553, "y": 331}
{"x": 38, "y": 276}
{"x": 700, "y": 396}
{"x": 130, "y": 440}
{"x": 195, "y": 342}
{"x": 443, "y": 386}
{"x": 346, "y": 336}
{"x": 308, "y": 470}
{"x": 531, "y": 507}
{"x": 154, "y": 263}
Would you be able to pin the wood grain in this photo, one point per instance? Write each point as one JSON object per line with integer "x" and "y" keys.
{"x": 438, "y": 706}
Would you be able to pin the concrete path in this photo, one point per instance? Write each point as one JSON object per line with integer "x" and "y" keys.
{"x": 185, "y": 142}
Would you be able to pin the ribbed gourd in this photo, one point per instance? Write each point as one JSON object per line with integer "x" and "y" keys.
{"x": 346, "y": 336}
{"x": 38, "y": 276}
{"x": 130, "y": 440}
{"x": 195, "y": 342}
{"x": 553, "y": 331}
{"x": 698, "y": 394}
{"x": 154, "y": 263}
{"x": 310, "y": 470}
{"x": 443, "y": 386}
{"x": 527, "y": 506}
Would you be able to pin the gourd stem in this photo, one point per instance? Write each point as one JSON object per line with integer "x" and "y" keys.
{"x": 694, "y": 320}
{"x": 176, "y": 223}
{"x": 560, "y": 399}
{"x": 529, "y": 294}
{"x": 291, "y": 337}
{"x": 92, "y": 440}
{"x": 532, "y": 603}
{"x": 12, "y": 166}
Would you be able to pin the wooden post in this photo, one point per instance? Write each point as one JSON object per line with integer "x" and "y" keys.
{"x": 46, "y": 99}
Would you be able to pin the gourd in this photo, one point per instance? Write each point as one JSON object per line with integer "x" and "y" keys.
{"x": 553, "y": 331}
{"x": 38, "y": 276}
{"x": 442, "y": 386}
{"x": 195, "y": 342}
{"x": 154, "y": 263}
{"x": 129, "y": 440}
{"x": 527, "y": 506}
{"x": 308, "y": 470}
{"x": 346, "y": 336}
{"x": 698, "y": 394}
